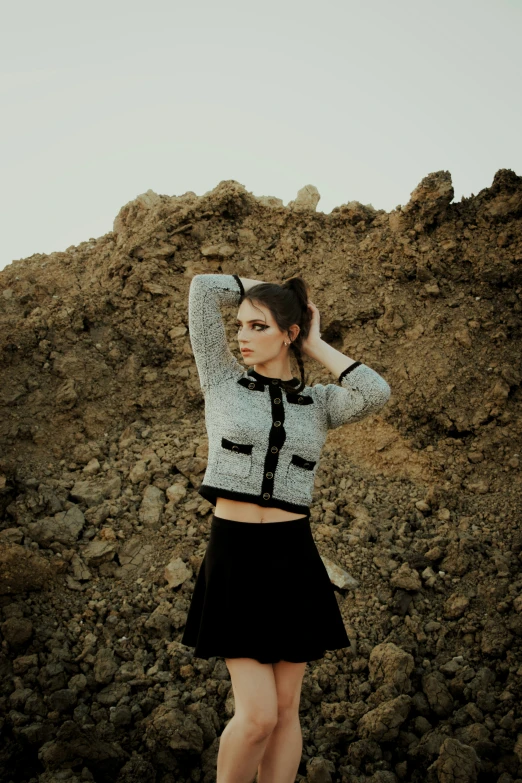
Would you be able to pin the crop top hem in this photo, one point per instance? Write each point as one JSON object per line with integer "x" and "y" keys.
{"x": 212, "y": 493}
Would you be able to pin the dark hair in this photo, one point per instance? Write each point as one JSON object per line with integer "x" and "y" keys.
{"x": 288, "y": 304}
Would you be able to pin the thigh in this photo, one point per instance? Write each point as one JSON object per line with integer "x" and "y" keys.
{"x": 254, "y": 688}
{"x": 288, "y": 680}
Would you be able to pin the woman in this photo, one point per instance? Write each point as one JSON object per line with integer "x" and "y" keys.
{"x": 262, "y": 598}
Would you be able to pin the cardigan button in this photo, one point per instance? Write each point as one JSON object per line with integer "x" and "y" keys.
{"x": 277, "y": 423}
{"x": 269, "y": 475}
{"x": 300, "y": 399}
{"x": 274, "y": 382}
{"x": 235, "y": 447}
{"x": 266, "y": 495}
{"x": 277, "y": 400}
{"x": 274, "y": 449}
{"x": 251, "y": 386}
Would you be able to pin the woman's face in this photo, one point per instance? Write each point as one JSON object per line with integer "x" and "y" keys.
{"x": 257, "y": 331}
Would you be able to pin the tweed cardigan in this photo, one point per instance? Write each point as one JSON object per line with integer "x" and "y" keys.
{"x": 264, "y": 444}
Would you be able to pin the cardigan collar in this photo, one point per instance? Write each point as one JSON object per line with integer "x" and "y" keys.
{"x": 254, "y": 380}
{"x": 264, "y": 379}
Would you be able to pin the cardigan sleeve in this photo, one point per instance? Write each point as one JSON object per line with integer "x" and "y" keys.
{"x": 362, "y": 392}
{"x": 214, "y": 360}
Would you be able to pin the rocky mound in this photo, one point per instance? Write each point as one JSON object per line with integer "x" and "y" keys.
{"x": 416, "y": 511}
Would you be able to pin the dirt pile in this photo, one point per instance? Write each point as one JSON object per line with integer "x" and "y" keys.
{"x": 103, "y": 446}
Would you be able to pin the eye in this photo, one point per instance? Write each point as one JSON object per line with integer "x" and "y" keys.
{"x": 262, "y": 326}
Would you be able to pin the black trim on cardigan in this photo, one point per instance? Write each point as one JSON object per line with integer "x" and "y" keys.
{"x": 243, "y": 448}
{"x": 212, "y": 493}
{"x": 348, "y": 369}
{"x": 240, "y": 284}
{"x": 307, "y": 464}
{"x": 276, "y": 439}
{"x": 251, "y": 384}
{"x": 257, "y": 382}
{"x": 299, "y": 399}
{"x": 272, "y": 381}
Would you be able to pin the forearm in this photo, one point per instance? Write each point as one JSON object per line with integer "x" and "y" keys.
{"x": 248, "y": 282}
{"x": 329, "y": 357}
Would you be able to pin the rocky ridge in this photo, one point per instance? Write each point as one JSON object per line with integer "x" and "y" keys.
{"x": 416, "y": 511}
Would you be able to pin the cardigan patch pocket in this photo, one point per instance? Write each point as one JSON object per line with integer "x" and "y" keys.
{"x": 235, "y": 458}
{"x": 299, "y": 470}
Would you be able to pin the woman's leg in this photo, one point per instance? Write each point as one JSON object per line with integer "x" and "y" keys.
{"x": 283, "y": 752}
{"x": 245, "y": 736}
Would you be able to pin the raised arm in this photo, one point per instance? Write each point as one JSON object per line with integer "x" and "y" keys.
{"x": 214, "y": 360}
{"x": 361, "y": 391}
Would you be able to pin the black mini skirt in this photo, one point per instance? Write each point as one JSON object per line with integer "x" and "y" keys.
{"x": 263, "y": 592}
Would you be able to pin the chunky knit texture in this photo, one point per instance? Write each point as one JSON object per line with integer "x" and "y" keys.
{"x": 264, "y": 443}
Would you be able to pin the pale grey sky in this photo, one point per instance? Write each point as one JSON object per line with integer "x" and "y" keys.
{"x": 361, "y": 98}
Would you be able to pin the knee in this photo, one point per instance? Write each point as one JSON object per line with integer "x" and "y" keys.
{"x": 259, "y": 725}
{"x": 287, "y": 710}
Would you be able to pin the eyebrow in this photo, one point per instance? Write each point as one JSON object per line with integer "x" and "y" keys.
{"x": 252, "y": 321}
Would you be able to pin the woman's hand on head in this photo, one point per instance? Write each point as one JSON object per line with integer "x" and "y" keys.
{"x": 314, "y": 335}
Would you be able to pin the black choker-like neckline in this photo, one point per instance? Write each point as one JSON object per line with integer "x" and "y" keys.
{"x": 265, "y": 379}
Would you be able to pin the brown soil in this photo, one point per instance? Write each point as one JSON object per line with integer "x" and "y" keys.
{"x": 103, "y": 446}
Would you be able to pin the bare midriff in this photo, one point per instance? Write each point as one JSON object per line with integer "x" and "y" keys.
{"x": 241, "y": 511}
